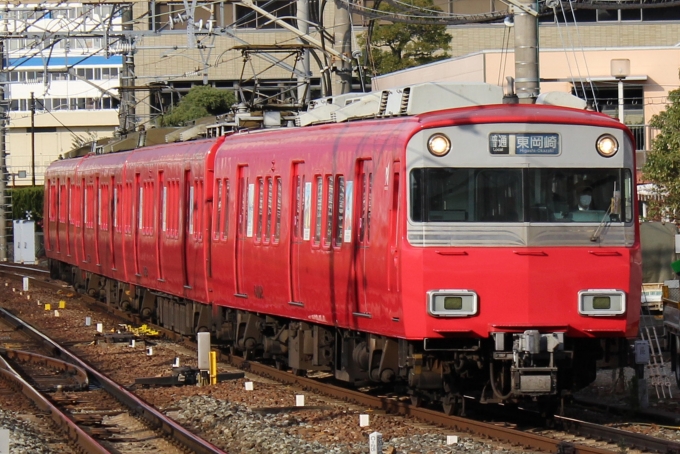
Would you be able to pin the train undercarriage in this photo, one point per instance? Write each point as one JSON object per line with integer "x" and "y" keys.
{"x": 506, "y": 367}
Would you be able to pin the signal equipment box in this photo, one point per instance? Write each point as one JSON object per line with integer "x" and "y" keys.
{"x": 24, "y": 242}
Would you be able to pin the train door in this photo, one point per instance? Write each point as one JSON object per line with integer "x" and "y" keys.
{"x": 67, "y": 215}
{"x": 297, "y": 213}
{"x": 188, "y": 224}
{"x": 393, "y": 259}
{"x": 97, "y": 213}
{"x": 162, "y": 216}
{"x": 244, "y": 229}
{"x": 363, "y": 234}
{"x": 136, "y": 229}
{"x": 82, "y": 217}
{"x": 113, "y": 216}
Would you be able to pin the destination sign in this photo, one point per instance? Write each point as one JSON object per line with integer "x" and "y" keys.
{"x": 524, "y": 143}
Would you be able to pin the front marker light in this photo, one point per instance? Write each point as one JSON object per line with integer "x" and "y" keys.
{"x": 439, "y": 145}
{"x": 607, "y": 145}
{"x": 601, "y": 302}
{"x": 451, "y": 303}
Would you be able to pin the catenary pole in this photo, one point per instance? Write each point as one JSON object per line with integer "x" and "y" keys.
{"x": 3, "y": 156}
{"x": 527, "y": 81}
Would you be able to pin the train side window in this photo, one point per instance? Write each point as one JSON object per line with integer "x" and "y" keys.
{"x": 225, "y": 224}
{"x": 198, "y": 211}
{"x": 99, "y": 203}
{"x": 150, "y": 224}
{"x": 217, "y": 217}
{"x": 627, "y": 196}
{"x": 104, "y": 202}
{"x": 140, "y": 212}
{"x": 175, "y": 202}
{"x": 268, "y": 224}
{"x": 88, "y": 204}
{"x": 318, "y": 212}
{"x": 340, "y": 210}
{"x": 299, "y": 206}
{"x": 330, "y": 199}
{"x": 64, "y": 203}
{"x": 127, "y": 213}
{"x": 53, "y": 202}
{"x": 116, "y": 195}
{"x": 279, "y": 194}
{"x": 365, "y": 221}
{"x": 243, "y": 207}
{"x": 260, "y": 208}
{"x": 190, "y": 211}
{"x": 164, "y": 208}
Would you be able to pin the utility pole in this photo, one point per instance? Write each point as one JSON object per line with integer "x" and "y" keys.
{"x": 342, "y": 32}
{"x": 527, "y": 80}
{"x": 127, "y": 95}
{"x": 303, "y": 92}
{"x": 32, "y": 139}
{"x": 3, "y": 156}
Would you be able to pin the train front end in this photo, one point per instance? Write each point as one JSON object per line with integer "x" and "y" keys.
{"x": 521, "y": 250}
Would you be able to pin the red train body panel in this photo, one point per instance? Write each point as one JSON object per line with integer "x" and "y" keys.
{"x": 349, "y": 247}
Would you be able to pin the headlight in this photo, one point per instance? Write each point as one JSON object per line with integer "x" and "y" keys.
{"x": 451, "y": 303}
{"x": 439, "y": 145}
{"x": 600, "y": 302}
{"x": 607, "y": 145}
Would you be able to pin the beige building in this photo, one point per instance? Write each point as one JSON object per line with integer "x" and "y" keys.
{"x": 573, "y": 56}
{"x": 587, "y": 72}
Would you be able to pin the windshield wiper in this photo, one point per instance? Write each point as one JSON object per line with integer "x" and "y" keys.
{"x": 603, "y": 223}
{"x": 612, "y": 210}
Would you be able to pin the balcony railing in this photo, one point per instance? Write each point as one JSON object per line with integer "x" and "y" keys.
{"x": 644, "y": 135}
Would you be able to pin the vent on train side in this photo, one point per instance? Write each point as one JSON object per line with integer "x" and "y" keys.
{"x": 383, "y": 102}
{"x": 404, "y": 101}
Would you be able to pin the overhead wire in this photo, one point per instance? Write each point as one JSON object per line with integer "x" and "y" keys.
{"x": 585, "y": 60}
{"x": 559, "y": 32}
{"x": 504, "y": 54}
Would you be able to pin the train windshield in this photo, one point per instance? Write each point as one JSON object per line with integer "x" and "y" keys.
{"x": 521, "y": 195}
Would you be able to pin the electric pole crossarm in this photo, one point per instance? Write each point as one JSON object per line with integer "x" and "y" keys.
{"x": 287, "y": 26}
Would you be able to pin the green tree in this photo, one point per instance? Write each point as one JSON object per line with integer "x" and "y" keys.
{"x": 200, "y": 101}
{"x": 28, "y": 199}
{"x": 405, "y": 45}
{"x": 663, "y": 161}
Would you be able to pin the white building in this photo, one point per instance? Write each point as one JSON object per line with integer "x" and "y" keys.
{"x": 73, "y": 83}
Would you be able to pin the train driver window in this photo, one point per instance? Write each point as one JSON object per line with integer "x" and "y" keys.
{"x": 579, "y": 195}
{"x": 537, "y": 195}
{"x": 466, "y": 195}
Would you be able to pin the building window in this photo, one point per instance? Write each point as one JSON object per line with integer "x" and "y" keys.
{"x": 247, "y": 18}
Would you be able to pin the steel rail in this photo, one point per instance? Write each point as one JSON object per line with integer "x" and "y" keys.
{"x": 515, "y": 437}
{"x": 27, "y": 268}
{"x": 77, "y": 435}
{"x": 78, "y": 373}
{"x": 621, "y": 437}
{"x": 136, "y": 404}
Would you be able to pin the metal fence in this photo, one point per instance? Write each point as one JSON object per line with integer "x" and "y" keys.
{"x": 644, "y": 135}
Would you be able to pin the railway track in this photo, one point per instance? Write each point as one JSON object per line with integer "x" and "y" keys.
{"x": 104, "y": 420}
{"x": 548, "y": 441}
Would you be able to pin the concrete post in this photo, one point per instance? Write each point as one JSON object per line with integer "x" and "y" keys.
{"x": 527, "y": 81}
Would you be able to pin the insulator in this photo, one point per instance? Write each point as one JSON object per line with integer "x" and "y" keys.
{"x": 124, "y": 48}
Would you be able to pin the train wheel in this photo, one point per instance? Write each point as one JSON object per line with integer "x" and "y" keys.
{"x": 453, "y": 405}
{"x": 416, "y": 401}
{"x": 675, "y": 358}
{"x": 300, "y": 372}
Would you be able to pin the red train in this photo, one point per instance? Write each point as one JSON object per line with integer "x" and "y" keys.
{"x": 450, "y": 247}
